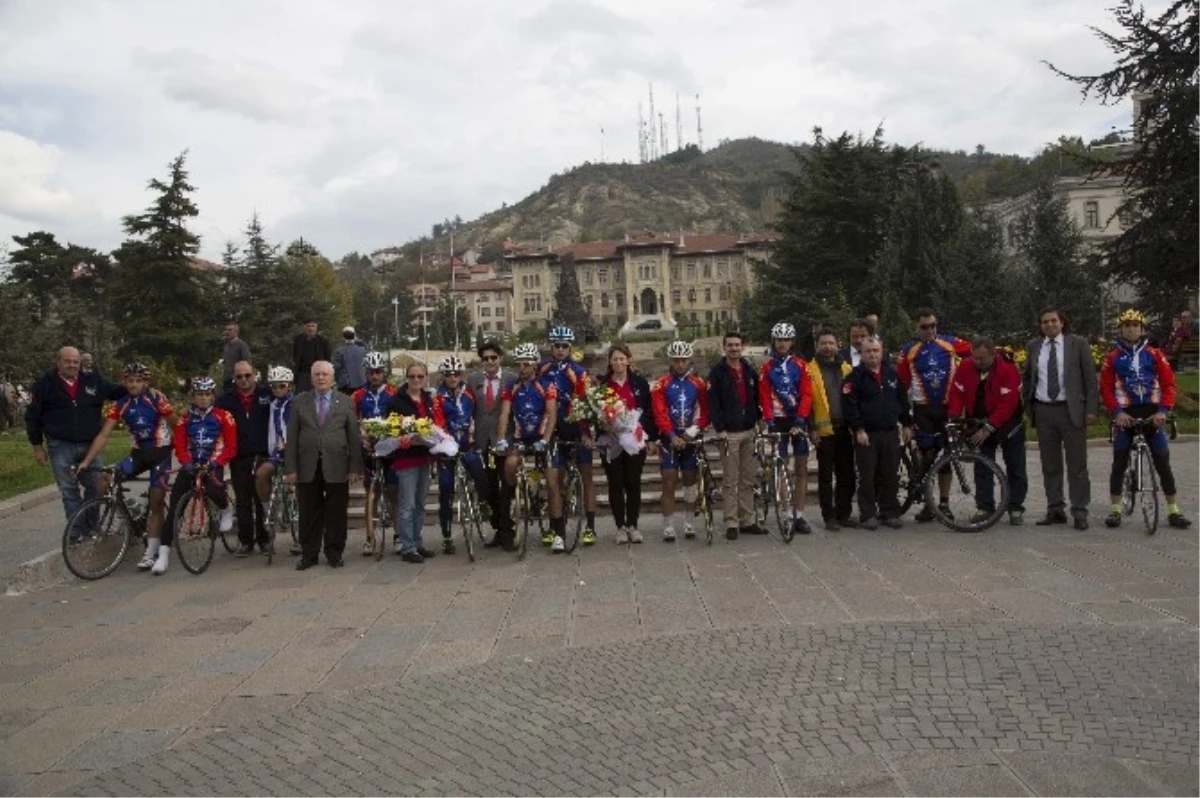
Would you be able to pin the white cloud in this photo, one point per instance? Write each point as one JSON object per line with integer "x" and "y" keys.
{"x": 359, "y": 125}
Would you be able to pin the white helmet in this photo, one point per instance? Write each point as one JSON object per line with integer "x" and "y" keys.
{"x": 561, "y": 334}
{"x": 679, "y": 349}
{"x": 375, "y": 360}
{"x": 526, "y": 352}
{"x": 279, "y": 374}
{"x": 783, "y": 330}
{"x": 450, "y": 363}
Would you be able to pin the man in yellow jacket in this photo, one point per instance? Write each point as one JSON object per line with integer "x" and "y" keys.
{"x": 830, "y": 435}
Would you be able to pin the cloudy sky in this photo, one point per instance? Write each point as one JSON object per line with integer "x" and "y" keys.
{"x": 358, "y": 124}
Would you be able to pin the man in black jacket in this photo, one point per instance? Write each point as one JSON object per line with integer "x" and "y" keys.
{"x": 62, "y": 420}
{"x": 308, "y": 348}
{"x": 250, "y": 405}
{"x": 733, "y": 408}
{"x": 874, "y": 401}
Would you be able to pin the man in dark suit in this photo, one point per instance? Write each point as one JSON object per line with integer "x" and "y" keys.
{"x": 250, "y": 405}
{"x": 1059, "y": 388}
{"x": 860, "y": 330}
{"x": 324, "y": 454}
{"x": 488, "y": 385}
{"x": 307, "y": 348}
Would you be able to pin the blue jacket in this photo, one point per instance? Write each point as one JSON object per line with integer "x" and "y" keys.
{"x": 252, "y": 427}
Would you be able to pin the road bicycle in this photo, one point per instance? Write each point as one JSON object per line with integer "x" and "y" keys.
{"x": 99, "y": 534}
{"x": 282, "y": 513}
{"x": 574, "y": 513}
{"x": 775, "y": 485}
{"x": 966, "y": 465}
{"x": 1139, "y": 484}
{"x": 708, "y": 494}
{"x": 467, "y": 504}
{"x": 197, "y": 525}
{"x": 529, "y": 503}
{"x": 379, "y": 513}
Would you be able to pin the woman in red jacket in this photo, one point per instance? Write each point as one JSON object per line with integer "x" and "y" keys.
{"x": 987, "y": 388}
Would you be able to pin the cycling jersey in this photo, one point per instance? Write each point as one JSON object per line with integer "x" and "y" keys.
{"x": 927, "y": 367}
{"x": 784, "y": 389}
{"x": 372, "y": 402}
{"x": 568, "y": 378}
{"x": 281, "y": 411}
{"x": 147, "y": 418}
{"x": 678, "y": 403}
{"x": 527, "y": 402}
{"x": 1136, "y": 375}
{"x": 458, "y": 410}
{"x": 205, "y": 437}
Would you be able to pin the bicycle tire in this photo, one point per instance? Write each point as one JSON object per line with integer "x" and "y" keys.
{"x": 113, "y": 528}
{"x": 1149, "y": 491}
{"x": 573, "y": 511}
{"x": 468, "y": 512}
{"x": 195, "y": 533}
{"x": 964, "y": 482}
{"x": 230, "y": 539}
{"x": 1129, "y": 488}
{"x": 704, "y": 497}
{"x": 783, "y": 502}
{"x": 910, "y": 477}
{"x": 763, "y": 492}
{"x": 523, "y": 516}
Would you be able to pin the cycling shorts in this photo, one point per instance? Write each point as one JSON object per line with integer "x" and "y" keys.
{"x": 156, "y": 460}
{"x": 930, "y": 422}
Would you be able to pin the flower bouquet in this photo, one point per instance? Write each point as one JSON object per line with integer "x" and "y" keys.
{"x": 387, "y": 432}
{"x": 622, "y": 427}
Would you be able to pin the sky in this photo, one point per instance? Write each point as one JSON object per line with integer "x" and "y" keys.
{"x": 358, "y": 124}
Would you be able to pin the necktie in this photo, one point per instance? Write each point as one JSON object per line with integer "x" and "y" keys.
{"x": 1052, "y": 384}
{"x": 490, "y": 395}
{"x": 322, "y": 408}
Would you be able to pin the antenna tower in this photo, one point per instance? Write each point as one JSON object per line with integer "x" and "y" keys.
{"x": 664, "y": 144}
{"x": 641, "y": 131}
{"x": 653, "y": 132}
{"x": 699, "y": 128}
{"x": 678, "y": 125}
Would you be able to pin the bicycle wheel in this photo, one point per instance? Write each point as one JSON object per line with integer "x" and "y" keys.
{"x": 763, "y": 493}
{"x": 522, "y": 516}
{"x": 960, "y": 511}
{"x": 783, "y": 502}
{"x": 1129, "y": 488}
{"x": 1149, "y": 493}
{"x": 705, "y": 495}
{"x": 573, "y": 511}
{"x": 468, "y": 512}
{"x": 195, "y": 523}
{"x": 230, "y": 539}
{"x": 102, "y": 534}
{"x": 910, "y": 477}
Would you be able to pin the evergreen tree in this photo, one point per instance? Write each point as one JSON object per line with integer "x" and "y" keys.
{"x": 442, "y": 326}
{"x": 568, "y": 301}
{"x": 42, "y": 269}
{"x": 155, "y": 274}
{"x": 1158, "y": 249}
{"x": 986, "y": 290}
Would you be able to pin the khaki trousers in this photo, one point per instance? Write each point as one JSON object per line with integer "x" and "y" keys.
{"x": 737, "y": 484}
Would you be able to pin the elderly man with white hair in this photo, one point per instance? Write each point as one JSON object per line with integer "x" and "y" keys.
{"x": 62, "y": 420}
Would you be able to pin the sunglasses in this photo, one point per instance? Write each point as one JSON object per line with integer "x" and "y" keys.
{"x": 489, "y": 358}
{"x": 929, "y": 326}
{"x": 243, "y": 376}
{"x": 376, "y": 371}
{"x": 560, "y": 346}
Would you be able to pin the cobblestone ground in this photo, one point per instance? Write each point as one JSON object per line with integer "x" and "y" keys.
{"x": 1021, "y": 661}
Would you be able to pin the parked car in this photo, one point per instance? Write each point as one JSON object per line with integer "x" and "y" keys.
{"x": 650, "y": 324}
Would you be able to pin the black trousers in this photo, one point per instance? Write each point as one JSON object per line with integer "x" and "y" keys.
{"x": 322, "y": 508}
{"x": 835, "y": 464}
{"x": 500, "y": 499}
{"x": 878, "y": 475}
{"x": 251, "y": 518}
{"x": 625, "y": 487}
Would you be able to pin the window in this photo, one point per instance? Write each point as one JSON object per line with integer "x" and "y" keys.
{"x": 499, "y": 326}
{"x": 723, "y": 268}
{"x": 676, "y": 296}
{"x": 692, "y": 295}
{"x": 603, "y": 276}
{"x": 737, "y": 268}
{"x": 587, "y": 276}
{"x": 619, "y": 275}
{"x": 537, "y": 280}
{"x": 724, "y": 292}
{"x": 604, "y": 299}
{"x": 708, "y": 296}
{"x": 485, "y": 313}
{"x": 647, "y": 271}
{"x": 708, "y": 270}
{"x": 620, "y": 300}
{"x": 695, "y": 317}
{"x": 558, "y": 278}
{"x": 587, "y": 302}
{"x": 1091, "y": 214}
{"x": 708, "y": 315}
{"x": 676, "y": 271}
{"x": 486, "y": 326}
{"x": 724, "y": 315}
{"x": 691, "y": 270}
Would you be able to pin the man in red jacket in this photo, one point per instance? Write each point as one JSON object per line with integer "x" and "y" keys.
{"x": 987, "y": 388}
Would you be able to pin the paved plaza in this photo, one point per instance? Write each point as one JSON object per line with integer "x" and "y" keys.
{"x": 923, "y": 662}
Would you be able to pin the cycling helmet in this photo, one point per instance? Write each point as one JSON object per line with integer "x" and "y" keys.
{"x": 527, "y": 352}
{"x": 203, "y": 383}
{"x": 450, "y": 363}
{"x": 375, "y": 360}
{"x": 562, "y": 334}
{"x": 280, "y": 374}
{"x": 679, "y": 349}
{"x": 136, "y": 369}
{"x": 783, "y": 330}
{"x": 1132, "y": 315}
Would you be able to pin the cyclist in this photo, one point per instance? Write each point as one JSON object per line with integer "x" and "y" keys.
{"x": 926, "y": 368}
{"x": 1136, "y": 382}
{"x": 205, "y": 440}
{"x": 532, "y": 404}
{"x": 680, "y": 402}
{"x": 371, "y": 401}
{"x": 146, "y": 413}
{"x": 457, "y": 404}
{"x": 785, "y": 400}
{"x": 281, "y": 382}
{"x": 569, "y": 380}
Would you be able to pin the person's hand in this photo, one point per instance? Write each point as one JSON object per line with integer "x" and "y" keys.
{"x": 540, "y": 446}
{"x": 39, "y": 455}
{"x": 677, "y": 442}
{"x": 1124, "y": 421}
{"x": 980, "y": 436}
{"x": 290, "y": 479}
{"x": 1092, "y": 418}
{"x": 1160, "y": 419}
{"x": 355, "y": 478}
{"x": 906, "y": 435}
{"x": 588, "y": 442}
{"x": 501, "y": 446}
{"x": 861, "y": 438}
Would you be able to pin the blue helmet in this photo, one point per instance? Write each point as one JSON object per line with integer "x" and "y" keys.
{"x": 562, "y": 334}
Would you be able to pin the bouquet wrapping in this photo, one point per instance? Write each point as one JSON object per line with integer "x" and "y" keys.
{"x": 386, "y": 433}
{"x": 622, "y": 427}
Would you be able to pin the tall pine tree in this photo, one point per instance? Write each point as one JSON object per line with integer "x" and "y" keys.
{"x": 568, "y": 301}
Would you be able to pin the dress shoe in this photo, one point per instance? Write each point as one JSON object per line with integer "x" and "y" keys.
{"x": 428, "y": 554}
{"x": 413, "y": 557}
{"x": 334, "y": 562}
{"x": 1053, "y": 517}
{"x": 848, "y": 523}
{"x": 870, "y": 524}
{"x": 731, "y": 533}
{"x": 753, "y": 529}
{"x": 303, "y": 564}
{"x": 1081, "y": 523}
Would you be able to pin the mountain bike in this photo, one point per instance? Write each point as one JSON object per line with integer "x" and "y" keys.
{"x": 775, "y": 484}
{"x": 707, "y": 492}
{"x": 100, "y": 532}
{"x": 966, "y": 464}
{"x": 1139, "y": 484}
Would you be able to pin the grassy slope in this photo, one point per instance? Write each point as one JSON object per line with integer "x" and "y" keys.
{"x": 19, "y": 473}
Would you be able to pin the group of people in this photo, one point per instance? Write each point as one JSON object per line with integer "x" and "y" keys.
{"x": 848, "y": 404}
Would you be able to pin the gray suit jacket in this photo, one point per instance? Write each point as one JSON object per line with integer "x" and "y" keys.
{"x": 336, "y": 444}
{"x": 1079, "y": 372}
{"x": 486, "y": 434}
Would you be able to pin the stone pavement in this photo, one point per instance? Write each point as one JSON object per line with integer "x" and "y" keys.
{"x": 1020, "y": 661}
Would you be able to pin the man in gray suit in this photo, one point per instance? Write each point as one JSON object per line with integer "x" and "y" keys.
{"x": 488, "y": 387}
{"x": 324, "y": 454}
{"x": 1059, "y": 388}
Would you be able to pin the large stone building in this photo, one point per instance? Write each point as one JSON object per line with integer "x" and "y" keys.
{"x": 643, "y": 281}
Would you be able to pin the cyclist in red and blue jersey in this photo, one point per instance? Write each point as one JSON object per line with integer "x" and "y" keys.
{"x": 679, "y": 400}
{"x": 371, "y": 401}
{"x": 1136, "y": 382}
{"x": 785, "y": 400}
{"x": 926, "y": 367}
{"x": 146, "y": 413}
{"x": 531, "y": 405}
{"x": 281, "y": 381}
{"x": 569, "y": 380}
{"x": 457, "y": 405}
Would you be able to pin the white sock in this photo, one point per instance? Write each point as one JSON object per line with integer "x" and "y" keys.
{"x": 797, "y": 513}
{"x": 161, "y": 562}
{"x": 152, "y": 545}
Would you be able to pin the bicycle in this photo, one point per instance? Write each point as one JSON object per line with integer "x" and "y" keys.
{"x": 1135, "y": 487}
{"x": 573, "y": 503}
{"x": 466, "y": 497}
{"x": 282, "y": 512}
{"x": 955, "y": 456}
{"x": 379, "y": 510}
{"x": 108, "y": 526}
{"x": 196, "y": 524}
{"x": 912, "y": 476}
{"x": 775, "y": 483}
{"x": 530, "y": 501}
{"x": 707, "y": 492}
